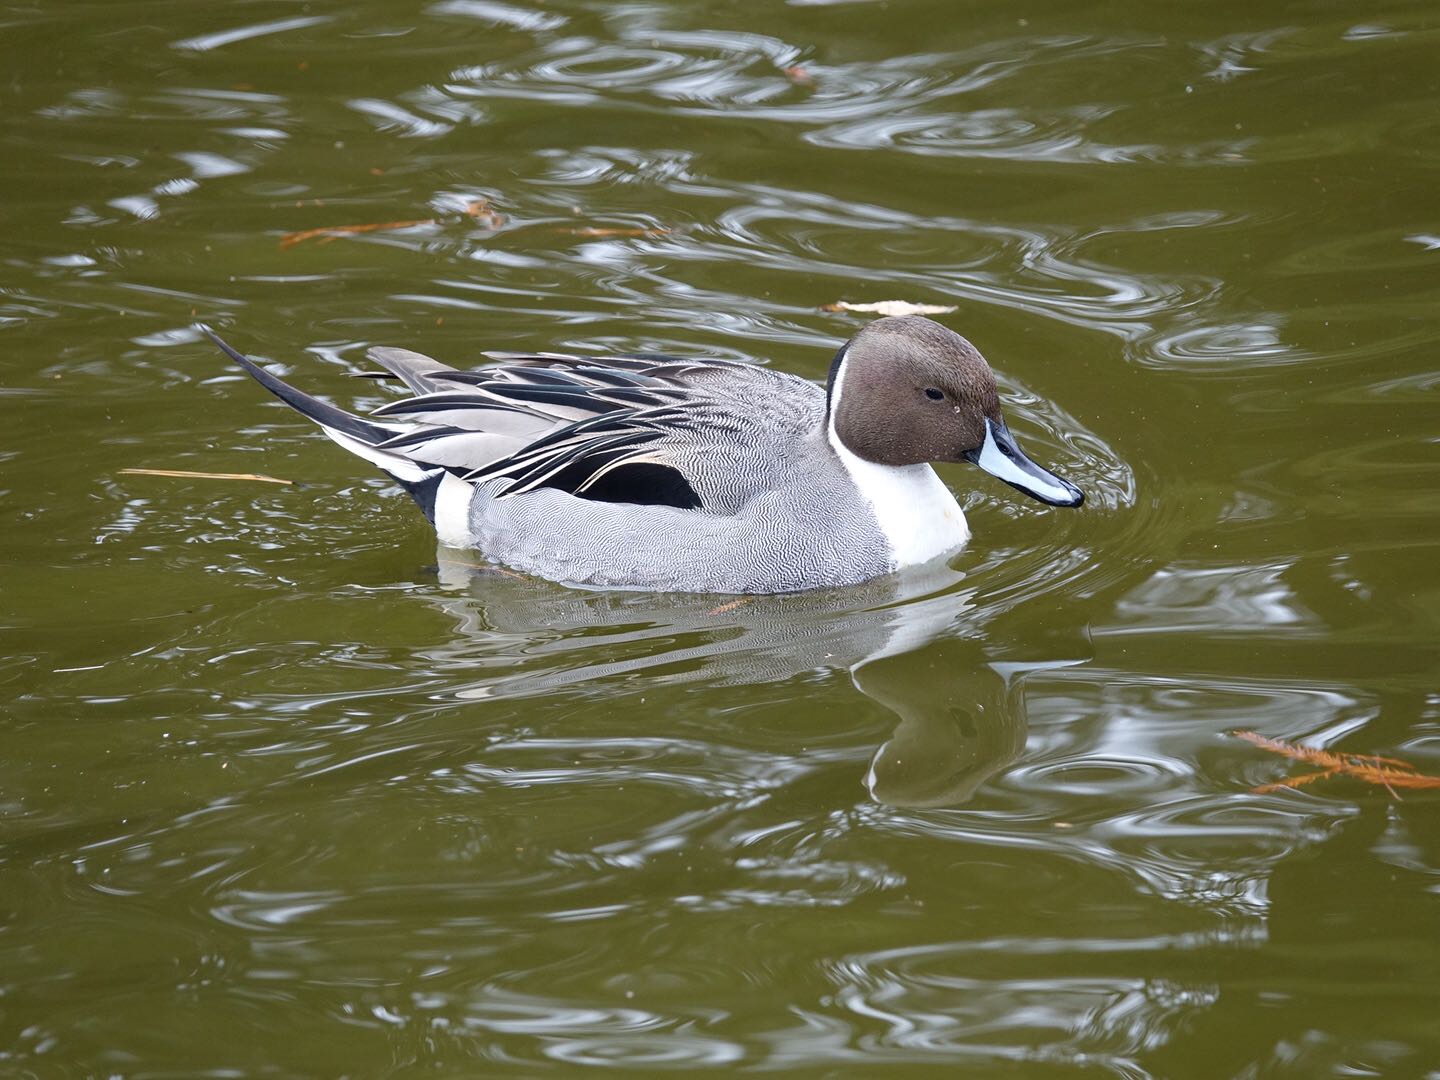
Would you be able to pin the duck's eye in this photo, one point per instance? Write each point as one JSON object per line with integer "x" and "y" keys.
{"x": 934, "y": 395}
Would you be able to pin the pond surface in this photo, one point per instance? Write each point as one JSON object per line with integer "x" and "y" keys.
{"x": 288, "y": 793}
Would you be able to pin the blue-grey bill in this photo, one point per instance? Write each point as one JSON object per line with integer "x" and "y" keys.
{"x": 1003, "y": 459}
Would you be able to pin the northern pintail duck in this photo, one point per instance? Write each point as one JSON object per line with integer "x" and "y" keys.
{"x": 653, "y": 472}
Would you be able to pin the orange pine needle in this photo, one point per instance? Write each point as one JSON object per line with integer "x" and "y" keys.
{"x": 479, "y": 210}
{"x": 1328, "y": 758}
{"x": 329, "y": 232}
{"x": 1389, "y": 773}
{"x": 1293, "y": 782}
{"x": 600, "y": 230}
{"x": 1393, "y": 778}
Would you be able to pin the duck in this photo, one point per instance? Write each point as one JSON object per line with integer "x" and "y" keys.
{"x": 662, "y": 473}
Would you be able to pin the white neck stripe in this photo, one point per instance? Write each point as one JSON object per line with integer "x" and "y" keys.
{"x": 916, "y": 512}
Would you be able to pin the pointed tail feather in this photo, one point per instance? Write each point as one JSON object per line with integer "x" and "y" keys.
{"x": 416, "y": 370}
{"x": 324, "y": 414}
{"x": 354, "y": 433}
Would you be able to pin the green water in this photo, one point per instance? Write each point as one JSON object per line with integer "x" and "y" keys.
{"x": 287, "y": 793}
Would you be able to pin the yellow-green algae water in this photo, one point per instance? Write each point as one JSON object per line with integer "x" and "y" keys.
{"x": 284, "y": 792}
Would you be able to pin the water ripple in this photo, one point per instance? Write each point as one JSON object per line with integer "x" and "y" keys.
{"x": 281, "y": 775}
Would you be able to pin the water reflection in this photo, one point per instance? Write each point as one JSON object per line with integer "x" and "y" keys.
{"x": 911, "y": 643}
{"x": 261, "y": 776}
{"x": 608, "y": 635}
{"x": 962, "y": 720}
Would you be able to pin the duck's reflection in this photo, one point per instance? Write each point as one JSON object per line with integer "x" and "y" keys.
{"x": 912, "y": 642}
{"x": 962, "y": 720}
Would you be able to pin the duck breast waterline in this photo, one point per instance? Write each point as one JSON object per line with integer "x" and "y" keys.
{"x": 677, "y": 475}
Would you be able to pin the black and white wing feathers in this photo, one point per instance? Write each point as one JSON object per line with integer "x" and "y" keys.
{"x": 646, "y": 429}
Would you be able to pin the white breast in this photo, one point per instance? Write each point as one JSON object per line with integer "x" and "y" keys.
{"x": 917, "y": 513}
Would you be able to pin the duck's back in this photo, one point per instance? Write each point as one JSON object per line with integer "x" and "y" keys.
{"x": 607, "y": 427}
{"x": 756, "y": 499}
{"x": 745, "y": 431}
{"x": 639, "y": 471}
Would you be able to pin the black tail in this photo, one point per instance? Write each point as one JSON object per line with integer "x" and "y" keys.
{"x": 356, "y": 434}
{"x": 324, "y": 414}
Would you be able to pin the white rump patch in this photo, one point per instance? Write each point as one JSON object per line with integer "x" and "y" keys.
{"x": 452, "y": 511}
{"x": 402, "y": 468}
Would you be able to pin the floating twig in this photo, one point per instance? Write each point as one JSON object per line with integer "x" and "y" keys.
{"x": 602, "y": 230}
{"x": 326, "y": 233}
{"x": 186, "y": 474}
{"x": 1389, "y": 773}
{"x": 479, "y": 210}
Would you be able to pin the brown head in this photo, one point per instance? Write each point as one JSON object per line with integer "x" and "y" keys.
{"x": 906, "y": 390}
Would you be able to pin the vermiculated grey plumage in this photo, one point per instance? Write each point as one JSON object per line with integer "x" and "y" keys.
{"x": 772, "y": 514}
{"x": 651, "y": 472}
